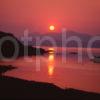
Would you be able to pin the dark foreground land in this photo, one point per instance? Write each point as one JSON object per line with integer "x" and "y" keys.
{"x": 13, "y": 88}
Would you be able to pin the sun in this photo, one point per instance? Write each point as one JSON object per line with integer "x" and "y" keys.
{"x": 52, "y": 28}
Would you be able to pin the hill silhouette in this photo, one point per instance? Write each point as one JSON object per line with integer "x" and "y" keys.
{"x": 8, "y": 47}
{"x": 57, "y": 37}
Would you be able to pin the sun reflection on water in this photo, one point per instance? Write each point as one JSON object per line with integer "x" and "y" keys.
{"x": 51, "y": 64}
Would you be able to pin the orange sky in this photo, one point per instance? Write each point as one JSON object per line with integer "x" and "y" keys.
{"x": 37, "y": 15}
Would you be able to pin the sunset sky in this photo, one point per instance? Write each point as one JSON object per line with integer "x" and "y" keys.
{"x": 38, "y": 15}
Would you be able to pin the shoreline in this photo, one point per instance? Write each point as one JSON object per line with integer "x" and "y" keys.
{"x": 14, "y": 88}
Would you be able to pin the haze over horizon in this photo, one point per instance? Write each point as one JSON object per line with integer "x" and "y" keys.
{"x": 37, "y": 15}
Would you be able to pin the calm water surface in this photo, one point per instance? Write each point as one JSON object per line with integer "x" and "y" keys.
{"x": 65, "y": 74}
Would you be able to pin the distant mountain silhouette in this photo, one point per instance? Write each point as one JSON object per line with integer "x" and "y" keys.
{"x": 8, "y": 47}
{"x": 58, "y": 38}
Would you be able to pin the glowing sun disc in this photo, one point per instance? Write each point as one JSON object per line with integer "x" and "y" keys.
{"x": 52, "y": 28}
